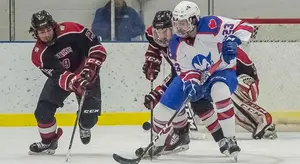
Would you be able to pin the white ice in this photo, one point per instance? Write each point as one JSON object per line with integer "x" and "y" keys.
{"x": 125, "y": 139}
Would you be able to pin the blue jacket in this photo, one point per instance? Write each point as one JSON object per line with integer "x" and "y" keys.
{"x": 128, "y": 23}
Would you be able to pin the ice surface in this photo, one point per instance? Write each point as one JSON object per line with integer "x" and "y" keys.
{"x": 125, "y": 139}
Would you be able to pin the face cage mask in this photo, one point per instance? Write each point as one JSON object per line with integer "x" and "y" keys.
{"x": 162, "y": 36}
{"x": 183, "y": 28}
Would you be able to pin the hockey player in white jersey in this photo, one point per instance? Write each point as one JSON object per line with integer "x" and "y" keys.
{"x": 207, "y": 72}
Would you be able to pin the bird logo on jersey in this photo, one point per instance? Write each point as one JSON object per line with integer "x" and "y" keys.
{"x": 201, "y": 62}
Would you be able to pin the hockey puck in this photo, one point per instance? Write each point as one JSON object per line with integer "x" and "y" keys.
{"x": 146, "y": 125}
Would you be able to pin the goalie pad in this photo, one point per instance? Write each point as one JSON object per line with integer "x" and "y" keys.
{"x": 248, "y": 87}
{"x": 251, "y": 116}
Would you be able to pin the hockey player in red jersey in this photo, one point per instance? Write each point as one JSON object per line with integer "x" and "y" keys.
{"x": 70, "y": 56}
{"x": 249, "y": 115}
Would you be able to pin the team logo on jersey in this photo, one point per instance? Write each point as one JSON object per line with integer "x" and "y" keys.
{"x": 62, "y": 28}
{"x": 201, "y": 62}
{"x": 36, "y": 49}
{"x": 212, "y": 24}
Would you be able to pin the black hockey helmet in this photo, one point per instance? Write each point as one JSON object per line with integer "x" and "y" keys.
{"x": 162, "y": 19}
{"x": 41, "y": 19}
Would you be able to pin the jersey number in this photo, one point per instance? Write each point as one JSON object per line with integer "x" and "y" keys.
{"x": 90, "y": 35}
{"x": 66, "y": 63}
{"x": 228, "y": 29}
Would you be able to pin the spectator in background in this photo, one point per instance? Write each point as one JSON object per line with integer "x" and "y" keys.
{"x": 128, "y": 23}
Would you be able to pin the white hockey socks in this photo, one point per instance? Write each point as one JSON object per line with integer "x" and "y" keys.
{"x": 225, "y": 111}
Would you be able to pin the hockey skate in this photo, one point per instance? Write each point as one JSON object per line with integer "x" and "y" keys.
{"x": 85, "y": 135}
{"x": 229, "y": 147}
{"x": 179, "y": 142}
{"x": 40, "y": 148}
{"x": 223, "y": 144}
{"x": 233, "y": 148}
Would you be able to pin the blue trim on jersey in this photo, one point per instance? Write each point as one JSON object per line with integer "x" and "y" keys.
{"x": 173, "y": 44}
{"x": 209, "y": 25}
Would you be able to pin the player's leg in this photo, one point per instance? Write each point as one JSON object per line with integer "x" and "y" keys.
{"x": 50, "y": 99}
{"x": 91, "y": 109}
{"x": 222, "y": 85}
{"x": 170, "y": 102}
{"x": 205, "y": 111}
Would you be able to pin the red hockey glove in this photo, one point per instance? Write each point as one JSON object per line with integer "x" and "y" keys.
{"x": 91, "y": 69}
{"x": 151, "y": 67}
{"x": 78, "y": 84}
{"x": 154, "y": 96}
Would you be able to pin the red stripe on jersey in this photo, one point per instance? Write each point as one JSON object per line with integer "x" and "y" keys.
{"x": 185, "y": 76}
{"x": 97, "y": 52}
{"x": 64, "y": 80}
{"x": 243, "y": 26}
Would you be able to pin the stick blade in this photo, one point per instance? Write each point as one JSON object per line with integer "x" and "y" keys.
{"x": 123, "y": 160}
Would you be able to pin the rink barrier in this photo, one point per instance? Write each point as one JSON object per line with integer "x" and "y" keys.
{"x": 122, "y": 118}
{"x": 124, "y": 85}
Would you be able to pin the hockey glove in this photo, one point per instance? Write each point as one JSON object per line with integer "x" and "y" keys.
{"x": 154, "y": 96}
{"x": 151, "y": 67}
{"x": 91, "y": 69}
{"x": 78, "y": 84}
{"x": 192, "y": 86}
{"x": 229, "y": 48}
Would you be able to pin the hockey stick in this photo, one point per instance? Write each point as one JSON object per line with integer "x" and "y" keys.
{"x": 123, "y": 160}
{"x": 151, "y": 118}
{"x": 75, "y": 125}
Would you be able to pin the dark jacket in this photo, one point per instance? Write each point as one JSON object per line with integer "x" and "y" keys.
{"x": 128, "y": 23}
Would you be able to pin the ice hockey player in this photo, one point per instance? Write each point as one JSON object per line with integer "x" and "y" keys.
{"x": 158, "y": 35}
{"x": 70, "y": 56}
{"x": 206, "y": 72}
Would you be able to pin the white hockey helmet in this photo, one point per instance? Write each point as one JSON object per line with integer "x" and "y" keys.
{"x": 185, "y": 17}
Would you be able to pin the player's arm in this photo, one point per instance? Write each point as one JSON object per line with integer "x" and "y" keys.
{"x": 93, "y": 50}
{"x": 64, "y": 79}
{"x": 235, "y": 33}
{"x": 153, "y": 58}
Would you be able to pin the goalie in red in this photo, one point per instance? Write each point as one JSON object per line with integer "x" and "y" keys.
{"x": 248, "y": 114}
{"x": 70, "y": 56}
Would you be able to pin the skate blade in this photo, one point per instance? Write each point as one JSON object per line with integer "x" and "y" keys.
{"x": 45, "y": 152}
{"x": 234, "y": 156}
{"x": 177, "y": 150}
{"x": 172, "y": 152}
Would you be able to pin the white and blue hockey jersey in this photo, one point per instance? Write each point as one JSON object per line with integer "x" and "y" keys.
{"x": 203, "y": 52}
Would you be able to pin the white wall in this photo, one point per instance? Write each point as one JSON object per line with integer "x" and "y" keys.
{"x": 124, "y": 85}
